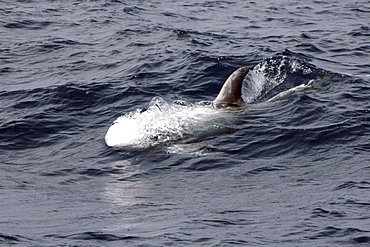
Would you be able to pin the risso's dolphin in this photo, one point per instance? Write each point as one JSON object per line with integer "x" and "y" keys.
{"x": 163, "y": 122}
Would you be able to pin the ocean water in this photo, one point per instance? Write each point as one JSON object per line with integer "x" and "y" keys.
{"x": 292, "y": 171}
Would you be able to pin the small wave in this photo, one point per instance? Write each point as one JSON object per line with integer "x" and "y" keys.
{"x": 310, "y": 48}
{"x": 236, "y": 242}
{"x": 264, "y": 169}
{"x": 357, "y": 203}
{"x": 137, "y": 176}
{"x": 319, "y": 212}
{"x": 31, "y": 133}
{"x": 8, "y": 239}
{"x": 352, "y": 184}
{"x": 93, "y": 236}
{"x": 132, "y": 10}
{"x": 210, "y": 164}
{"x": 362, "y": 31}
{"x": 93, "y": 172}
{"x": 223, "y": 222}
{"x": 360, "y": 240}
{"x": 335, "y": 232}
{"x": 14, "y": 239}
{"x": 183, "y": 33}
{"x": 67, "y": 41}
{"x": 28, "y": 24}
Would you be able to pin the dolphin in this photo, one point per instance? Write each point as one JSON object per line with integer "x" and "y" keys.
{"x": 230, "y": 94}
{"x": 163, "y": 122}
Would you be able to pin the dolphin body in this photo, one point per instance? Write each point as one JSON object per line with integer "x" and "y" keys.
{"x": 163, "y": 122}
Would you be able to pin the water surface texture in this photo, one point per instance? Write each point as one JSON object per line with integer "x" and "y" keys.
{"x": 294, "y": 171}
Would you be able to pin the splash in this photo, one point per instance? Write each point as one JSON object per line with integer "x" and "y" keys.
{"x": 276, "y": 74}
{"x": 163, "y": 122}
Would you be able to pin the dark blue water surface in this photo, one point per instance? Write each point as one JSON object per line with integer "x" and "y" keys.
{"x": 292, "y": 172}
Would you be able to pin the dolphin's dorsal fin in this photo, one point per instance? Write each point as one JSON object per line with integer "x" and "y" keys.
{"x": 230, "y": 94}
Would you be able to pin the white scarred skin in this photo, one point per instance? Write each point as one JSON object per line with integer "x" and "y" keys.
{"x": 159, "y": 124}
